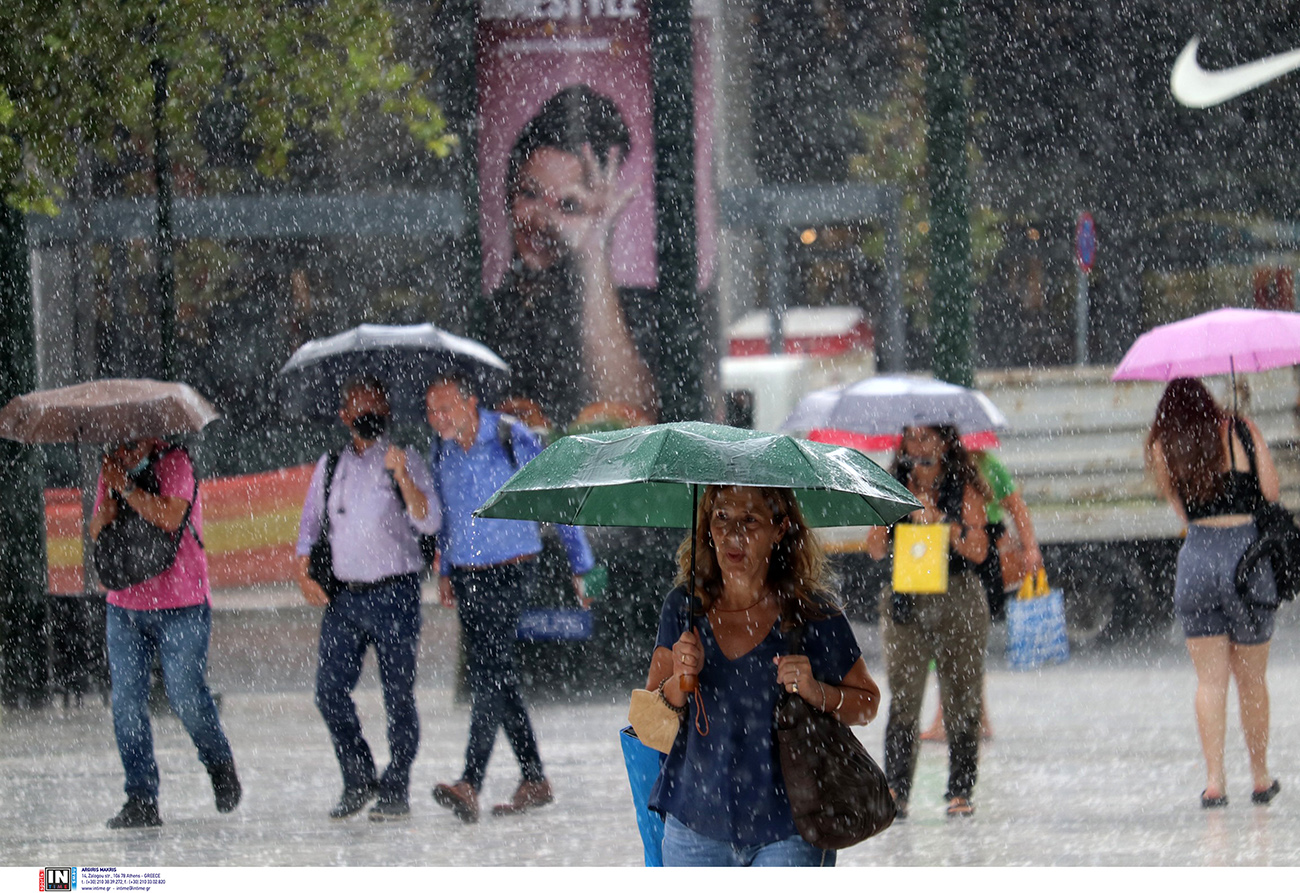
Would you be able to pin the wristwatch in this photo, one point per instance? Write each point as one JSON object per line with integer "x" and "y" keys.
{"x": 128, "y": 489}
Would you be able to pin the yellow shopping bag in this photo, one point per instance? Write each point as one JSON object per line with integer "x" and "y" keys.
{"x": 920, "y": 558}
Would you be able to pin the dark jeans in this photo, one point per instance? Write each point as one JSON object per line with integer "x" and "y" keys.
{"x": 387, "y": 617}
{"x": 179, "y": 636}
{"x": 488, "y": 601}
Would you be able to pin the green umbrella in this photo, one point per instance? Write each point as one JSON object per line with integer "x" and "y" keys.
{"x": 650, "y": 477}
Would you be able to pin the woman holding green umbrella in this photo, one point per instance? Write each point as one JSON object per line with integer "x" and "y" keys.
{"x": 729, "y": 624}
{"x": 759, "y": 574}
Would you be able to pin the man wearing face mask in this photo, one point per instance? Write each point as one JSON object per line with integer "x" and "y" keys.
{"x": 381, "y": 499}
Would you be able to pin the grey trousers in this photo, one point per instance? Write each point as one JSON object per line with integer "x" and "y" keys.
{"x": 951, "y": 629}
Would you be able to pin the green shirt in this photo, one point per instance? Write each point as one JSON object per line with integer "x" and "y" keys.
{"x": 999, "y": 481}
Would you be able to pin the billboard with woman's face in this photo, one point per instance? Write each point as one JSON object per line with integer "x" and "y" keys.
{"x": 566, "y": 173}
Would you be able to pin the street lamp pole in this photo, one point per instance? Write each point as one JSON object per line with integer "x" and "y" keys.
{"x": 164, "y": 237}
{"x": 950, "y": 249}
{"x": 681, "y": 388}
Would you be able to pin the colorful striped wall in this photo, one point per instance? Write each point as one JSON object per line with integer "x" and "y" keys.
{"x": 250, "y": 527}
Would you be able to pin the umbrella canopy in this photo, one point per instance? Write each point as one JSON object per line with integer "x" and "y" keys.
{"x": 883, "y": 443}
{"x": 872, "y": 413}
{"x": 404, "y": 358}
{"x": 650, "y": 476}
{"x": 1221, "y": 342}
{"x": 110, "y": 410}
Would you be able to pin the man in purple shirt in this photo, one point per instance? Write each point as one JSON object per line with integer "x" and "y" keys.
{"x": 381, "y": 499}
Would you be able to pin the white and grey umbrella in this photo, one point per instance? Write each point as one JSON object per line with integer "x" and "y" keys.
{"x": 877, "y": 410}
{"x": 405, "y": 358}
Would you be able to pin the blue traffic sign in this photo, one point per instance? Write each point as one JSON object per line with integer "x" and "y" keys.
{"x": 1085, "y": 242}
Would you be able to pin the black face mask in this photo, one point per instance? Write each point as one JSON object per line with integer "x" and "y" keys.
{"x": 370, "y": 425}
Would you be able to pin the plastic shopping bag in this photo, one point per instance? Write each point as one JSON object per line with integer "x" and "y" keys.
{"x": 642, "y": 769}
{"x": 1036, "y": 625}
{"x": 920, "y": 558}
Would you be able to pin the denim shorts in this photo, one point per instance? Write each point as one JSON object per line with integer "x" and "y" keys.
{"x": 1205, "y": 591}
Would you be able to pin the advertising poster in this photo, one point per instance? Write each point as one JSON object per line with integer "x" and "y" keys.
{"x": 566, "y": 173}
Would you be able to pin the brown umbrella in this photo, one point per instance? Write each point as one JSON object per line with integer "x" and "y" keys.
{"x": 110, "y": 410}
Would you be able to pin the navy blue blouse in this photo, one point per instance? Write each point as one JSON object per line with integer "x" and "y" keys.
{"x": 727, "y": 786}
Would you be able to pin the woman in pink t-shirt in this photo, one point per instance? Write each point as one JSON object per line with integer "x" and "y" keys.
{"x": 169, "y": 616}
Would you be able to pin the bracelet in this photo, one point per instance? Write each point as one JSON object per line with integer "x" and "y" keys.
{"x": 680, "y": 711}
{"x": 841, "y": 703}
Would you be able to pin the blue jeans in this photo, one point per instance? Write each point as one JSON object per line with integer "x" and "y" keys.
{"x": 684, "y": 848}
{"x": 387, "y": 617}
{"x": 488, "y": 601}
{"x": 179, "y": 636}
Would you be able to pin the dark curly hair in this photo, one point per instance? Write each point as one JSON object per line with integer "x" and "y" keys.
{"x": 958, "y": 463}
{"x": 572, "y": 118}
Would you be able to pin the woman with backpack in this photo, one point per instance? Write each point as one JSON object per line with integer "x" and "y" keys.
{"x": 1214, "y": 468}
{"x": 168, "y": 614}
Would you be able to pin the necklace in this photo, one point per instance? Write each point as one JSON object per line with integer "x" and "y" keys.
{"x": 762, "y": 598}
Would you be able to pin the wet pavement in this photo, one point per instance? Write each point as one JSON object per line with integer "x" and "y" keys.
{"x": 1092, "y": 763}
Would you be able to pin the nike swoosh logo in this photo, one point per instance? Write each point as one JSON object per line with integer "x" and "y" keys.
{"x": 1197, "y": 88}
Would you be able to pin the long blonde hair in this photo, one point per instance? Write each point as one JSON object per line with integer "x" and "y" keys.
{"x": 799, "y": 571}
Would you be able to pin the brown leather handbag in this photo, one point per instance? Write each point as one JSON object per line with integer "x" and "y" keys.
{"x": 838, "y": 794}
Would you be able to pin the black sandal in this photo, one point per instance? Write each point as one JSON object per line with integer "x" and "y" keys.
{"x": 1213, "y": 802}
{"x": 1264, "y": 797}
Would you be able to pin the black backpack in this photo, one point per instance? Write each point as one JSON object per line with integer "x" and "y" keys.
{"x": 130, "y": 550}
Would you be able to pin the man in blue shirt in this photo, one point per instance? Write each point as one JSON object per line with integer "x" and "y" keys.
{"x": 487, "y": 569}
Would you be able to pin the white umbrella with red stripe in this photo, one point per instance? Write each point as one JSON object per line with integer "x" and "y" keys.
{"x": 870, "y": 415}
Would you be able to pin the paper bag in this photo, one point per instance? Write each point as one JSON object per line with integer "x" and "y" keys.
{"x": 920, "y": 558}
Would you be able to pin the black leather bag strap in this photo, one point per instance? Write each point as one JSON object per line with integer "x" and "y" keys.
{"x": 1248, "y": 443}
{"x": 187, "y": 522}
{"x": 795, "y": 638}
{"x": 331, "y": 464}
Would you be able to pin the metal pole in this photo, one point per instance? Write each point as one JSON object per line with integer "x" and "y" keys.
{"x": 945, "y": 100}
{"x": 689, "y": 682}
{"x": 681, "y": 378}
{"x": 1081, "y": 319}
{"x": 777, "y": 285}
{"x": 893, "y": 352}
{"x": 164, "y": 239}
{"x": 24, "y": 665}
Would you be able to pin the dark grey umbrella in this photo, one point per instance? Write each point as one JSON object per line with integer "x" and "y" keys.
{"x": 404, "y": 358}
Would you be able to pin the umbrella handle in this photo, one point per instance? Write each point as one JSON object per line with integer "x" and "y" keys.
{"x": 688, "y": 682}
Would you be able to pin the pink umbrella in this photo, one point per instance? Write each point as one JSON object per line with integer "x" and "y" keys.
{"x": 1221, "y": 342}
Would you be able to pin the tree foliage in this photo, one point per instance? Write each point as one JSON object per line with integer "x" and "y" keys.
{"x": 893, "y": 152}
{"x": 75, "y": 74}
